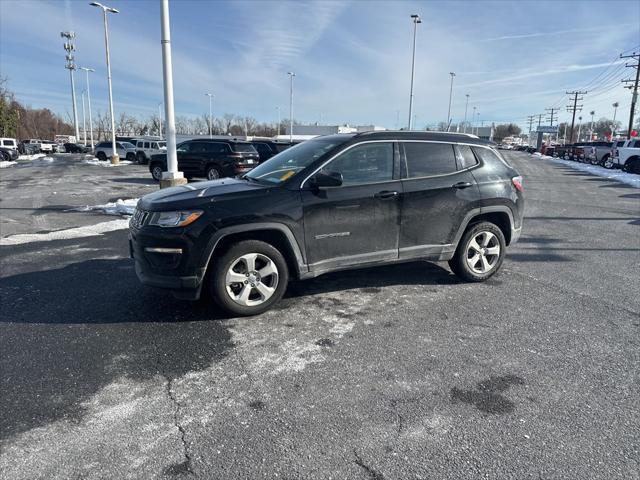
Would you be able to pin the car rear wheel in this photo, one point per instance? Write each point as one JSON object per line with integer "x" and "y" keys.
{"x": 480, "y": 252}
{"x": 632, "y": 166}
{"x": 131, "y": 157}
{"x": 101, "y": 156}
{"x": 213, "y": 173}
{"x": 156, "y": 172}
{"x": 249, "y": 278}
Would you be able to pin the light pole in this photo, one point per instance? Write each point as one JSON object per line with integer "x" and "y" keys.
{"x": 172, "y": 176}
{"x": 478, "y": 126}
{"x": 87, "y": 70}
{"x": 466, "y": 106}
{"x": 592, "y": 113}
{"x": 278, "y": 109}
{"x": 71, "y": 66}
{"x": 210, "y": 95}
{"x": 416, "y": 21}
{"x": 84, "y": 122}
{"x": 115, "y": 159}
{"x": 579, "y": 127}
{"x": 160, "y": 119}
{"x": 450, "y": 98}
{"x": 473, "y": 120}
{"x": 291, "y": 75}
{"x": 615, "y": 110}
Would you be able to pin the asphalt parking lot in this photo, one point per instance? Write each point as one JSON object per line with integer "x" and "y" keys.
{"x": 387, "y": 373}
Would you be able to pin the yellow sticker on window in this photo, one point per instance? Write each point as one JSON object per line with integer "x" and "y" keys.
{"x": 287, "y": 175}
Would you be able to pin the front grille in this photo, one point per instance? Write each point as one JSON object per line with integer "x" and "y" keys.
{"x": 138, "y": 218}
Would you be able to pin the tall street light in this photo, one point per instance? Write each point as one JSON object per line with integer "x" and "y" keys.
{"x": 278, "y": 109}
{"x": 416, "y": 21}
{"x": 592, "y": 113}
{"x": 84, "y": 122}
{"x": 615, "y": 110}
{"x": 450, "y": 97}
{"x": 466, "y": 106}
{"x": 210, "y": 95}
{"x": 115, "y": 159}
{"x": 291, "y": 75}
{"x": 160, "y": 119}
{"x": 478, "y": 126}
{"x": 87, "y": 70}
{"x": 172, "y": 177}
{"x": 71, "y": 66}
{"x": 473, "y": 120}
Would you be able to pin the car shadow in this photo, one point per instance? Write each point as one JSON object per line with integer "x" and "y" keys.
{"x": 139, "y": 181}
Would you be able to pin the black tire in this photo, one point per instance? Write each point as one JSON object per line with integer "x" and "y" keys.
{"x": 459, "y": 264}
{"x": 141, "y": 158}
{"x": 632, "y": 165}
{"x": 101, "y": 156}
{"x": 156, "y": 171}
{"x": 212, "y": 173}
{"x": 218, "y": 274}
{"x": 131, "y": 157}
{"x": 603, "y": 160}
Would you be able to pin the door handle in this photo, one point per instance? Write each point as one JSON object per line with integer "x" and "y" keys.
{"x": 461, "y": 185}
{"x": 386, "y": 194}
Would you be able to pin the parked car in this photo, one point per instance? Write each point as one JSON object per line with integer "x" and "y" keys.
{"x": 331, "y": 203}
{"x": 145, "y": 149}
{"x": 76, "y": 148}
{"x": 268, "y": 148}
{"x": 49, "y": 146}
{"x": 209, "y": 158}
{"x": 125, "y": 150}
{"x": 576, "y": 152}
{"x": 25, "y": 147}
{"x": 597, "y": 152}
{"x": 7, "y": 142}
{"x": 627, "y": 157}
{"x": 8, "y": 154}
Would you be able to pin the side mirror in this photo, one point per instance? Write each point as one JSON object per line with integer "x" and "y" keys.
{"x": 326, "y": 179}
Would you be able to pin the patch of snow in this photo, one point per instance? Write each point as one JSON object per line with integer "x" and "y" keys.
{"x": 631, "y": 179}
{"x": 6, "y": 163}
{"x": 76, "y": 232}
{"x": 119, "y": 207}
{"x": 31, "y": 157}
{"x": 106, "y": 163}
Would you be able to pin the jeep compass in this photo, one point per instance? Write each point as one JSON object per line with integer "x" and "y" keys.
{"x": 332, "y": 203}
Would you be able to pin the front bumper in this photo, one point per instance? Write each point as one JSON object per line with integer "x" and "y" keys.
{"x": 515, "y": 235}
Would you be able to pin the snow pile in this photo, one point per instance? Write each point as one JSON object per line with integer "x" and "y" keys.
{"x": 119, "y": 207}
{"x": 6, "y": 163}
{"x": 106, "y": 163}
{"x": 31, "y": 157}
{"x": 615, "y": 175}
{"x": 42, "y": 160}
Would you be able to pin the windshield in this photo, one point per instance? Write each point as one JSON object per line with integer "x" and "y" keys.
{"x": 286, "y": 164}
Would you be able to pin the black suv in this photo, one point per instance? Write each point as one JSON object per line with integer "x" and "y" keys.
{"x": 209, "y": 158}
{"x": 332, "y": 203}
{"x": 268, "y": 148}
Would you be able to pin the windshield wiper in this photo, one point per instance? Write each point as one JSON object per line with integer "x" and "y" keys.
{"x": 251, "y": 179}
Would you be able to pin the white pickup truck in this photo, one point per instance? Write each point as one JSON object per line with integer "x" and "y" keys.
{"x": 627, "y": 157}
{"x": 41, "y": 145}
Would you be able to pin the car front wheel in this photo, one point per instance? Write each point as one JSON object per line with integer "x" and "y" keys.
{"x": 480, "y": 252}
{"x": 141, "y": 158}
{"x": 249, "y": 278}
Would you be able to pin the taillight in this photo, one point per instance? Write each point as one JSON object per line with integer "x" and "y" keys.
{"x": 517, "y": 182}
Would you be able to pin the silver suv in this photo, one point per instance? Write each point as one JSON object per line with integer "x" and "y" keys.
{"x": 125, "y": 150}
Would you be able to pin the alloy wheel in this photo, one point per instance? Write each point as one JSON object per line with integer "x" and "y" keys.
{"x": 251, "y": 279}
{"x": 212, "y": 174}
{"x": 483, "y": 252}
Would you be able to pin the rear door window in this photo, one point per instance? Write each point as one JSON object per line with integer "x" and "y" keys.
{"x": 146, "y": 145}
{"x": 425, "y": 159}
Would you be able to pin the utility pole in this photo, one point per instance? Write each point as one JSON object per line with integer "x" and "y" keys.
{"x": 172, "y": 177}
{"x": 633, "y": 86}
{"x": 466, "y": 106}
{"x": 552, "y": 111}
{"x": 291, "y": 75}
{"x": 416, "y": 21}
{"x": 530, "y": 119}
{"x": 573, "y": 109}
{"x": 450, "y": 98}
{"x": 71, "y": 66}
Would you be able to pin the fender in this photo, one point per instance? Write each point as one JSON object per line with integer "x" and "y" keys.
{"x": 479, "y": 211}
{"x": 301, "y": 266}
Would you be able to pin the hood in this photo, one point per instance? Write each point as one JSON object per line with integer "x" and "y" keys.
{"x": 199, "y": 193}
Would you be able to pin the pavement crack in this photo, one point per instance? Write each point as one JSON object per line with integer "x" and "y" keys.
{"x": 370, "y": 471}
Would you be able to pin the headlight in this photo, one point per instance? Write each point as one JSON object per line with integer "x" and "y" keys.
{"x": 174, "y": 219}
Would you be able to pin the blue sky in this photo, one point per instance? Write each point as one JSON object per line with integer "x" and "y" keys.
{"x": 352, "y": 58}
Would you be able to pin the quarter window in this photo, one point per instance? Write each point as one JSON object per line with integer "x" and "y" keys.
{"x": 367, "y": 163}
{"x": 427, "y": 159}
{"x": 466, "y": 158}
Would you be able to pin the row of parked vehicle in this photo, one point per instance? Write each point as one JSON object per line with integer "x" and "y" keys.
{"x": 623, "y": 154}
{"x": 218, "y": 157}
